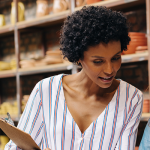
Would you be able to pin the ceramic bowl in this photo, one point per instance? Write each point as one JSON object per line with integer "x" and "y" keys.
{"x": 92, "y": 1}
{"x": 136, "y": 34}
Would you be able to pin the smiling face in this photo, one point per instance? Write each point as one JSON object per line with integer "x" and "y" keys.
{"x": 101, "y": 63}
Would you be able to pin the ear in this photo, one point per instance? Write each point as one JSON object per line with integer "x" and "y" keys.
{"x": 79, "y": 62}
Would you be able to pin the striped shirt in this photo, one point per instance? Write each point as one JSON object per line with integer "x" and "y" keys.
{"x": 47, "y": 119}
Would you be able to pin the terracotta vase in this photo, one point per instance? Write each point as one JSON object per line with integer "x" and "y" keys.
{"x": 146, "y": 106}
{"x": 42, "y": 8}
{"x": 59, "y": 6}
{"x": 92, "y": 1}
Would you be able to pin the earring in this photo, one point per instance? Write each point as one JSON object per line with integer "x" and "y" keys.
{"x": 77, "y": 63}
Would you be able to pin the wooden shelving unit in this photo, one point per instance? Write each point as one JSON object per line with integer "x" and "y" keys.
{"x": 54, "y": 19}
{"x": 44, "y": 69}
{"x": 7, "y": 73}
{"x": 46, "y": 20}
{"x": 6, "y": 29}
{"x": 58, "y": 18}
{"x": 135, "y": 57}
{"x": 145, "y": 116}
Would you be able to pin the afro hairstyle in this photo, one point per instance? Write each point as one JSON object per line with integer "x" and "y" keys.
{"x": 90, "y": 26}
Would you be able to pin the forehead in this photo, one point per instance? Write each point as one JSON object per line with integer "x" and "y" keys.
{"x": 103, "y": 49}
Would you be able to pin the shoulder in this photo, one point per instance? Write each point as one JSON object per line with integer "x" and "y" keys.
{"x": 127, "y": 86}
{"x": 130, "y": 91}
{"x": 49, "y": 82}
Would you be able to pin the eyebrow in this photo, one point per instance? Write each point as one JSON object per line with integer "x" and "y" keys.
{"x": 103, "y": 57}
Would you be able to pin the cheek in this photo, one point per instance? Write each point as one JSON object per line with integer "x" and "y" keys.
{"x": 117, "y": 66}
{"x": 90, "y": 68}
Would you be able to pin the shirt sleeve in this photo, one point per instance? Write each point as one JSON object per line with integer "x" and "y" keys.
{"x": 127, "y": 139}
{"x": 145, "y": 142}
{"x": 31, "y": 120}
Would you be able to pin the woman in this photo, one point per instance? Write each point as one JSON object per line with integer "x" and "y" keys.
{"x": 145, "y": 142}
{"x": 90, "y": 109}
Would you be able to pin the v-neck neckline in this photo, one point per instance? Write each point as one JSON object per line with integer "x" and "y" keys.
{"x": 100, "y": 115}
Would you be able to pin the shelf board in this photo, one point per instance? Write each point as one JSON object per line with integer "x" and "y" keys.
{"x": 146, "y": 95}
{"x": 107, "y": 3}
{"x": 145, "y": 116}
{"x": 48, "y": 19}
{"x": 7, "y": 73}
{"x": 44, "y": 69}
{"x": 59, "y": 17}
{"x": 135, "y": 57}
{"x": 6, "y": 29}
{"x": 113, "y": 3}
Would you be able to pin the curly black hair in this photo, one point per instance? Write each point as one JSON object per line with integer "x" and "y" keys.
{"x": 89, "y": 27}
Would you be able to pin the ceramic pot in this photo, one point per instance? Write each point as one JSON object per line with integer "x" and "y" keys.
{"x": 2, "y": 20}
{"x": 21, "y": 10}
{"x": 92, "y": 1}
{"x": 131, "y": 48}
{"x": 59, "y": 6}
{"x": 79, "y": 3}
{"x": 136, "y": 34}
{"x": 146, "y": 106}
{"x": 42, "y": 8}
{"x": 136, "y": 148}
{"x": 141, "y": 48}
{"x": 137, "y": 39}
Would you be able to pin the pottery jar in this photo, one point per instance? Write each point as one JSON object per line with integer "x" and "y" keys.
{"x": 42, "y": 8}
{"x": 92, "y": 1}
{"x": 21, "y": 10}
{"x": 79, "y": 3}
{"x": 2, "y": 20}
{"x": 59, "y": 6}
{"x": 146, "y": 106}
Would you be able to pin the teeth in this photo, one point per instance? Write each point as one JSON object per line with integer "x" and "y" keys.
{"x": 106, "y": 78}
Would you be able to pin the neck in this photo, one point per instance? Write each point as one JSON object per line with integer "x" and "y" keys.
{"x": 82, "y": 83}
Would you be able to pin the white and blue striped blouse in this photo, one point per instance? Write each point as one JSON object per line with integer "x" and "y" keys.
{"x": 47, "y": 119}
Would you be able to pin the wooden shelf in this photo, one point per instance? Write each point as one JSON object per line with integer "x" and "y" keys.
{"x": 107, "y": 3}
{"x": 116, "y": 3}
{"x": 67, "y": 66}
{"x": 7, "y": 73}
{"x": 145, "y": 116}
{"x": 6, "y": 29}
{"x": 146, "y": 95}
{"x": 44, "y": 69}
{"x": 41, "y": 21}
{"x": 59, "y": 17}
{"x": 135, "y": 57}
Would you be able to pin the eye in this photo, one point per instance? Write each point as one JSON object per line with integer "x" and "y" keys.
{"x": 116, "y": 58}
{"x": 97, "y": 61}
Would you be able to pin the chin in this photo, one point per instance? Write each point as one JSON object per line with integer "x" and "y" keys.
{"x": 105, "y": 85}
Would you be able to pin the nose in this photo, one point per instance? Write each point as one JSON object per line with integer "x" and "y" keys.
{"x": 108, "y": 68}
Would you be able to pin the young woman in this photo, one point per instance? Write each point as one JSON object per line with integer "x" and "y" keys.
{"x": 89, "y": 110}
{"x": 145, "y": 142}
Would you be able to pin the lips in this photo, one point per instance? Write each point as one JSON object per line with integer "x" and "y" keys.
{"x": 106, "y": 79}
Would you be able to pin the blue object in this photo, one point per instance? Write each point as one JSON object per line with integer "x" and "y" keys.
{"x": 145, "y": 142}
